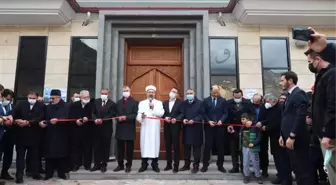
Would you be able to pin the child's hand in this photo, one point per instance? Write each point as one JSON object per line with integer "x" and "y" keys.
{"x": 251, "y": 145}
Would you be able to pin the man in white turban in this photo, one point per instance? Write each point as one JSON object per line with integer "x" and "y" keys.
{"x": 150, "y": 129}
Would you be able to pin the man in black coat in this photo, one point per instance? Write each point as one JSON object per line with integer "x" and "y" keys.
{"x": 127, "y": 110}
{"x": 192, "y": 132}
{"x": 270, "y": 123}
{"x": 215, "y": 114}
{"x": 56, "y": 141}
{"x": 294, "y": 131}
{"x": 103, "y": 108}
{"x": 81, "y": 146}
{"x": 172, "y": 129}
{"x": 321, "y": 58}
{"x": 27, "y": 115}
{"x": 237, "y": 106}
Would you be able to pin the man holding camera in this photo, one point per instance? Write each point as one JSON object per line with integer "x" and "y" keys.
{"x": 321, "y": 59}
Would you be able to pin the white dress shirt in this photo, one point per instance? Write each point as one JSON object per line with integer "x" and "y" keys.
{"x": 171, "y": 104}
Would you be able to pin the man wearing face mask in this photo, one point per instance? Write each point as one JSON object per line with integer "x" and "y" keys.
{"x": 127, "y": 110}
{"x": 150, "y": 129}
{"x": 8, "y": 137}
{"x": 75, "y": 97}
{"x": 81, "y": 146}
{"x": 321, "y": 59}
{"x": 215, "y": 114}
{"x": 172, "y": 129}
{"x": 270, "y": 123}
{"x": 102, "y": 108}
{"x": 56, "y": 141}
{"x": 27, "y": 115}
{"x": 237, "y": 106}
{"x": 192, "y": 132}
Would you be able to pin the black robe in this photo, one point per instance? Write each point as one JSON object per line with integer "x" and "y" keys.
{"x": 56, "y": 141}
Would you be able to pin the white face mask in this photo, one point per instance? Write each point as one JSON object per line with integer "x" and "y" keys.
{"x": 237, "y": 100}
{"x": 172, "y": 95}
{"x": 268, "y": 105}
{"x": 32, "y": 101}
{"x": 85, "y": 101}
{"x": 103, "y": 97}
{"x": 126, "y": 94}
{"x": 76, "y": 99}
{"x": 5, "y": 102}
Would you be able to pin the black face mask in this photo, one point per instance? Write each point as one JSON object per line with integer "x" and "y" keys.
{"x": 312, "y": 68}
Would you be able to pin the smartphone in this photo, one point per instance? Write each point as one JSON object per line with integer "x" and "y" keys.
{"x": 303, "y": 34}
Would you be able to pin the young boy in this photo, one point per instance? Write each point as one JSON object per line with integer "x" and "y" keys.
{"x": 250, "y": 139}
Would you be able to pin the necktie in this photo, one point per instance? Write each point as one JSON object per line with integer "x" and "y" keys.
{"x": 104, "y": 103}
{"x": 214, "y": 102}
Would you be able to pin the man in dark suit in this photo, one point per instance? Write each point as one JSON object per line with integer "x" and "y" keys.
{"x": 8, "y": 137}
{"x": 294, "y": 132}
{"x": 81, "y": 150}
{"x": 27, "y": 114}
{"x": 172, "y": 129}
{"x": 102, "y": 109}
{"x": 192, "y": 132}
{"x": 127, "y": 110}
{"x": 215, "y": 114}
{"x": 237, "y": 106}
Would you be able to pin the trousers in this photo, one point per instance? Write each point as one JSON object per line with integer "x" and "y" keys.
{"x": 33, "y": 152}
{"x": 196, "y": 154}
{"x": 212, "y": 135}
{"x": 58, "y": 164}
{"x": 129, "y": 152}
{"x": 250, "y": 156}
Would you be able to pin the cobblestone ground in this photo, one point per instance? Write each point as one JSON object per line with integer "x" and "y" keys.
{"x": 136, "y": 182}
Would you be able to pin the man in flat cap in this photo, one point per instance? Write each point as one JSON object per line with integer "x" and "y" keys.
{"x": 56, "y": 135}
{"x": 150, "y": 129}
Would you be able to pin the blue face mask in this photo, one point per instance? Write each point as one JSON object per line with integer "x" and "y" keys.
{"x": 190, "y": 97}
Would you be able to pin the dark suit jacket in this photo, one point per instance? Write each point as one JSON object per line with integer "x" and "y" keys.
{"x": 126, "y": 129}
{"x": 29, "y": 135}
{"x": 294, "y": 116}
{"x": 176, "y": 113}
{"x": 244, "y": 107}
{"x": 77, "y": 111}
{"x": 217, "y": 113}
{"x": 101, "y": 112}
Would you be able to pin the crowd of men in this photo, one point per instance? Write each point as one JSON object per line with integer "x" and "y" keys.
{"x": 293, "y": 125}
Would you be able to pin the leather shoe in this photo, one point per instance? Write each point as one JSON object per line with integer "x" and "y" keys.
{"x": 128, "y": 169}
{"x": 204, "y": 169}
{"x": 118, "y": 168}
{"x": 175, "y": 170}
{"x": 103, "y": 169}
{"x": 276, "y": 181}
{"x": 168, "y": 167}
{"x": 95, "y": 168}
{"x": 37, "y": 177}
{"x": 156, "y": 169}
{"x": 75, "y": 168}
{"x": 19, "y": 181}
{"x": 87, "y": 168}
{"x": 2, "y": 182}
{"x": 185, "y": 168}
{"x": 142, "y": 169}
{"x": 6, "y": 176}
{"x": 195, "y": 169}
{"x": 234, "y": 170}
{"x": 221, "y": 169}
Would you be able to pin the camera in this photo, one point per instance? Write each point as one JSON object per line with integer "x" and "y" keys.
{"x": 302, "y": 34}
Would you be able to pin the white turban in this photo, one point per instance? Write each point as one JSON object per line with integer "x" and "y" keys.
{"x": 150, "y": 87}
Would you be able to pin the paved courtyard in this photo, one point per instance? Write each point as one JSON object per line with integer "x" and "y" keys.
{"x": 136, "y": 182}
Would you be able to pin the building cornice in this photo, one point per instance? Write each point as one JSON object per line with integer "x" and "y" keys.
{"x": 35, "y": 12}
{"x": 286, "y": 13}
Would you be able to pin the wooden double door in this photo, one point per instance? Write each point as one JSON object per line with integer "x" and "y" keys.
{"x": 153, "y": 62}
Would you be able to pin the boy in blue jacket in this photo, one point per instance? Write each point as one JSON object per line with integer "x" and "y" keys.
{"x": 250, "y": 141}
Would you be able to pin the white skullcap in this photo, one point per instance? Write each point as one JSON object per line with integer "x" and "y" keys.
{"x": 150, "y": 87}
